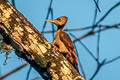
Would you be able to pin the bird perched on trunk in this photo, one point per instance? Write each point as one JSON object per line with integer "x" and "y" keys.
{"x": 63, "y": 41}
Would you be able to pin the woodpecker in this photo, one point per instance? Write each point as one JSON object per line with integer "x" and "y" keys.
{"x": 63, "y": 42}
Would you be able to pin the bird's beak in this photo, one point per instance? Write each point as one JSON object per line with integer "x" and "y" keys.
{"x": 52, "y": 21}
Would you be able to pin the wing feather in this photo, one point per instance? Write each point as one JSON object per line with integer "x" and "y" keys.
{"x": 64, "y": 37}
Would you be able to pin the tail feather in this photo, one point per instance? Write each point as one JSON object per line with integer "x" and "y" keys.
{"x": 73, "y": 58}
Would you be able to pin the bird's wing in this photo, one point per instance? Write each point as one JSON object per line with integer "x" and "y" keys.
{"x": 64, "y": 37}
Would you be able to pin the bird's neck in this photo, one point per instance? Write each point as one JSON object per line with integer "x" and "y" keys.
{"x": 59, "y": 30}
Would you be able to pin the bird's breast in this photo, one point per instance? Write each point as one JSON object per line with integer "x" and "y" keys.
{"x": 61, "y": 46}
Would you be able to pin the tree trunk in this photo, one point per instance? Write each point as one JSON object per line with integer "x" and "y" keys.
{"x": 31, "y": 45}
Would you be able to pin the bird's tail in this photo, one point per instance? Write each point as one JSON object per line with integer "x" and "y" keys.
{"x": 73, "y": 58}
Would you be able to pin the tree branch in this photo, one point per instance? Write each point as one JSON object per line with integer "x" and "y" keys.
{"x": 31, "y": 45}
{"x": 47, "y": 16}
{"x": 103, "y": 28}
{"x": 13, "y": 71}
{"x": 74, "y": 29}
{"x": 108, "y": 12}
{"x": 97, "y": 5}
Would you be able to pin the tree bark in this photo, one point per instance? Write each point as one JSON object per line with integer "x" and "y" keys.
{"x": 31, "y": 45}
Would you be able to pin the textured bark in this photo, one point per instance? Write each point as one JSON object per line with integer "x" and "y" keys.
{"x": 31, "y": 45}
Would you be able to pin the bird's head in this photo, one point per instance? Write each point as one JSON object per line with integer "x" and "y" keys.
{"x": 60, "y": 21}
